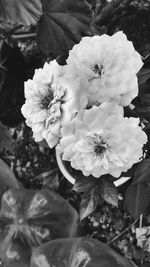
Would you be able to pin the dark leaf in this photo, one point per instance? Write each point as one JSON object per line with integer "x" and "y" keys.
{"x": 142, "y": 173}
{"x": 89, "y": 202}
{"x": 108, "y": 192}
{"x": 143, "y": 75}
{"x": 5, "y": 138}
{"x": 62, "y": 24}
{"x": 11, "y": 83}
{"x": 145, "y": 99}
{"x": 24, "y": 12}
{"x": 137, "y": 198}
{"x": 77, "y": 252}
{"x": 143, "y": 111}
{"x": 83, "y": 184}
{"x": 7, "y": 178}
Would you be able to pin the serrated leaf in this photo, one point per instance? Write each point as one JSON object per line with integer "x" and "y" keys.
{"x": 108, "y": 192}
{"x": 25, "y": 12}
{"x": 142, "y": 173}
{"x": 89, "y": 202}
{"x": 137, "y": 198}
{"x": 5, "y": 138}
{"x": 62, "y": 24}
{"x": 83, "y": 184}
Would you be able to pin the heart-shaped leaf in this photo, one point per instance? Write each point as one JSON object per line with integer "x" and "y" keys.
{"x": 62, "y": 24}
{"x": 89, "y": 202}
{"x": 142, "y": 173}
{"x": 77, "y": 252}
{"x": 137, "y": 199}
{"x": 29, "y": 218}
{"x": 25, "y": 12}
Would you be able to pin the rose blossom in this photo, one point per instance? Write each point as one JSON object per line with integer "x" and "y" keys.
{"x": 100, "y": 141}
{"x": 50, "y": 101}
{"x": 109, "y": 65}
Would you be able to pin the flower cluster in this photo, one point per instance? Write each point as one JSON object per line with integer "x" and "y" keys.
{"x": 79, "y": 106}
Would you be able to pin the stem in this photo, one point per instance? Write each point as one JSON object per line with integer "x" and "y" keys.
{"x": 122, "y": 233}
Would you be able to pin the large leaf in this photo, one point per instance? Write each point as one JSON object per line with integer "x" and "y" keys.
{"x": 24, "y": 12}
{"x": 89, "y": 202}
{"x": 5, "y": 138}
{"x": 137, "y": 199}
{"x": 77, "y": 252}
{"x": 142, "y": 173}
{"x": 7, "y": 179}
{"x": 29, "y": 218}
{"x": 62, "y": 24}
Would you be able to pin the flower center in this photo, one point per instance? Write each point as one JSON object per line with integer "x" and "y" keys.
{"x": 98, "y": 145}
{"x": 98, "y": 69}
{"x": 45, "y": 102}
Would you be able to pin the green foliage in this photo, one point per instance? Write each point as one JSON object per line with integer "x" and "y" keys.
{"x": 137, "y": 196}
{"x": 62, "y": 24}
{"x": 95, "y": 190}
{"x": 29, "y": 218}
{"x": 75, "y": 252}
{"x": 20, "y": 11}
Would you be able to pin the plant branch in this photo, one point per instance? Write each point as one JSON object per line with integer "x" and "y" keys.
{"x": 122, "y": 233}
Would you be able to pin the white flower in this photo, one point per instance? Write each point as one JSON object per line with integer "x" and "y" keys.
{"x": 50, "y": 101}
{"x": 100, "y": 141}
{"x": 109, "y": 66}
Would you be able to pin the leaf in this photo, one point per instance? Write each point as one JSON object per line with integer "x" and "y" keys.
{"x": 108, "y": 192}
{"x": 143, "y": 75}
{"x": 83, "y": 184}
{"x": 137, "y": 199}
{"x": 77, "y": 252}
{"x": 62, "y": 24}
{"x": 29, "y": 218}
{"x": 89, "y": 202}
{"x": 26, "y": 12}
{"x": 12, "y": 83}
{"x": 5, "y": 138}
{"x": 7, "y": 178}
{"x": 142, "y": 173}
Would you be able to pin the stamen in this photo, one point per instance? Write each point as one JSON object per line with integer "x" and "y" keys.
{"x": 98, "y": 145}
{"x": 46, "y": 101}
{"x": 98, "y": 69}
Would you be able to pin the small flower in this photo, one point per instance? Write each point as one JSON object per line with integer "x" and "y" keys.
{"x": 100, "y": 141}
{"x": 50, "y": 101}
{"x": 108, "y": 65}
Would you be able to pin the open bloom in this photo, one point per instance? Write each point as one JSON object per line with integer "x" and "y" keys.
{"x": 100, "y": 141}
{"x": 109, "y": 65}
{"x": 50, "y": 101}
